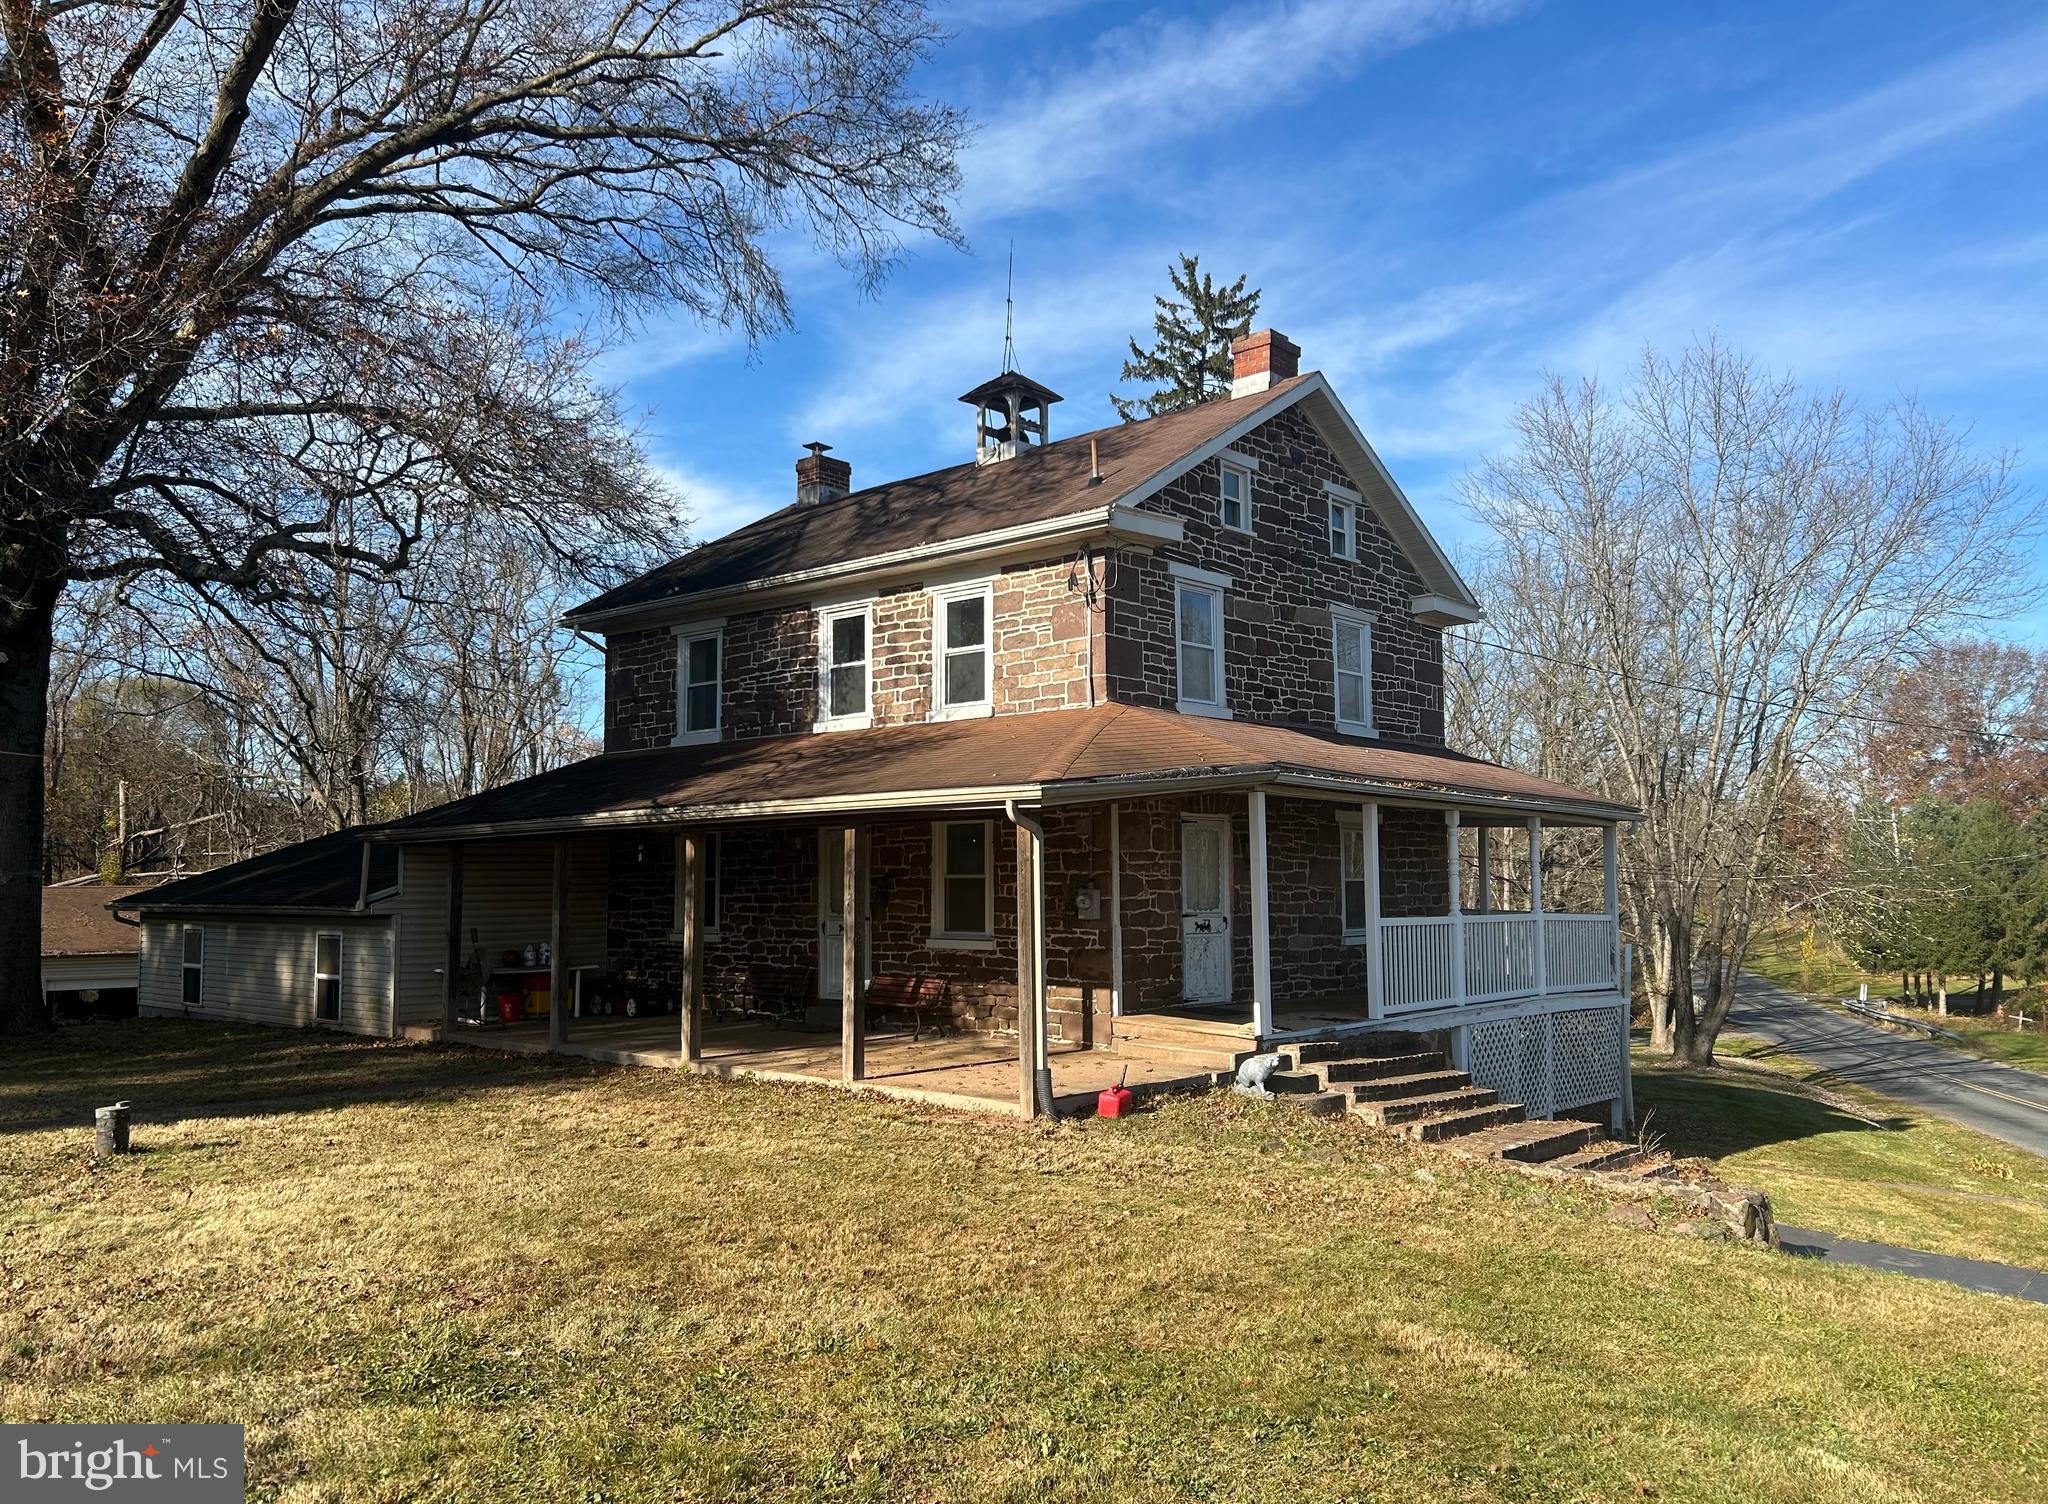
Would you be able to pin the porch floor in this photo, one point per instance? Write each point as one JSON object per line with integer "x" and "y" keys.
{"x": 976, "y": 1072}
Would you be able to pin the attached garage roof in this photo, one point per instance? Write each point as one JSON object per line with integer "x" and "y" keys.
{"x": 324, "y": 874}
{"x": 1054, "y": 756}
{"x": 77, "y": 921}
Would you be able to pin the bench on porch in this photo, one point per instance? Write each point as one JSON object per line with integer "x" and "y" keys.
{"x": 781, "y": 993}
{"x": 922, "y": 998}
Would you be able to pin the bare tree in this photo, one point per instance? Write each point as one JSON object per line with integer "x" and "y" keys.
{"x": 1693, "y": 588}
{"x": 259, "y": 264}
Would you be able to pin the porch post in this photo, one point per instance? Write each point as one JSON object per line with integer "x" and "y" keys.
{"x": 1457, "y": 909}
{"x": 1536, "y": 904}
{"x": 690, "y": 875}
{"x": 1030, "y": 936}
{"x": 1610, "y": 863}
{"x": 1486, "y": 869}
{"x": 853, "y": 1035}
{"x": 558, "y": 960}
{"x": 1375, "y": 953}
{"x": 1262, "y": 923}
{"x": 452, "y": 1005}
{"x": 1116, "y": 911}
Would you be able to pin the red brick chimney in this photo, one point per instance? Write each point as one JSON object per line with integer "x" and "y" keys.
{"x": 819, "y": 479}
{"x": 1260, "y": 359}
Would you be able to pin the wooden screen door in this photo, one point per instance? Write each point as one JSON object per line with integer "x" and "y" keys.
{"x": 831, "y": 908}
{"x": 1205, "y": 909}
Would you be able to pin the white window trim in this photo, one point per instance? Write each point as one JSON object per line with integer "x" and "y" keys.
{"x": 1349, "y": 820}
{"x": 1194, "y": 574}
{"x": 713, "y": 869}
{"x": 1241, "y": 465}
{"x": 985, "y": 939}
{"x": 1342, "y": 619}
{"x": 319, "y": 976}
{"x": 1219, "y": 707}
{"x": 1353, "y": 504}
{"x": 941, "y": 597}
{"x": 865, "y": 718}
{"x": 199, "y": 992}
{"x": 686, "y": 634}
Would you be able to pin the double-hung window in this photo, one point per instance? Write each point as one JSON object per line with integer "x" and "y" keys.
{"x": 710, "y": 885}
{"x": 193, "y": 978}
{"x": 1351, "y": 833}
{"x": 699, "y": 652}
{"x": 963, "y": 884}
{"x": 327, "y": 977}
{"x": 843, "y": 687}
{"x": 1351, "y": 664}
{"x": 963, "y": 633}
{"x": 1234, "y": 496}
{"x": 1344, "y": 504}
{"x": 1198, "y": 639}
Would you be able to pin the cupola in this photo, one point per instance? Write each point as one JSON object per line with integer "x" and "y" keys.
{"x": 1009, "y": 416}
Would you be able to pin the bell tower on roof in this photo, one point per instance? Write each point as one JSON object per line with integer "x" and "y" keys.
{"x": 1010, "y": 416}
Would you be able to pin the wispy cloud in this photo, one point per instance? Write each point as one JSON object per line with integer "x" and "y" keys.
{"x": 1176, "y": 80}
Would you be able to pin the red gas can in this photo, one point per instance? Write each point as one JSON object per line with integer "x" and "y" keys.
{"x": 1114, "y": 1101}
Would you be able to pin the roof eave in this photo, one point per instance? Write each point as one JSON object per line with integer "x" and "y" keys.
{"x": 1116, "y": 519}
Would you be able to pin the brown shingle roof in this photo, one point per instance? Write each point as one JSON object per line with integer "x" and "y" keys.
{"x": 944, "y": 505}
{"x": 76, "y": 921}
{"x": 1063, "y": 751}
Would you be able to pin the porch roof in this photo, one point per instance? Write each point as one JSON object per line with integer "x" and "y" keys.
{"x": 1054, "y": 757}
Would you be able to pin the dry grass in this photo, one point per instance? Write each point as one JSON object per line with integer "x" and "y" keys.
{"x": 431, "y": 1274}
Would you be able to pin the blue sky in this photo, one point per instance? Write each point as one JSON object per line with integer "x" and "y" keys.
{"x": 1441, "y": 201}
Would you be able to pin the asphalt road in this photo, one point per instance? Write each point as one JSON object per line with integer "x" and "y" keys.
{"x": 1972, "y": 1274}
{"x": 1995, "y": 1099}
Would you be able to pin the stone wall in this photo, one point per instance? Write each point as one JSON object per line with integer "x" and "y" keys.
{"x": 1045, "y": 638}
{"x": 1277, "y": 627}
{"x": 769, "y": 906}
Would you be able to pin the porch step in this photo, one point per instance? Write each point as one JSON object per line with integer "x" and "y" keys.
{"x": 1377, "y": 1045}
{"x": 1370, "y": 1068}
{"x": 1395, "y": 1113}
{"x": 1196, "y": 1057}
{"x": 1320, "y": 1104}
{"x": 1601, "y": 1154}
{"x": 1397, "y": 1088}
{"x": 1449, "y": 1125}
{"x": 1163, "y": 1025}
{"x": 1529, "y": 1142}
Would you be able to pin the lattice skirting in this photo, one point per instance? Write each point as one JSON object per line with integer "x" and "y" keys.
{"x": 1549, "y": 1062}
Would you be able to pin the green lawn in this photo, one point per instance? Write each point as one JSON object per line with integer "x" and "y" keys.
{"x": 1816, "y": 965}
{"x": 427, "y": 1274}
{"x": 1844, "y": 1160}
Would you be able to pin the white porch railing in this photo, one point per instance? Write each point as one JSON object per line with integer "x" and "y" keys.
{"x": 1500, "y": 958}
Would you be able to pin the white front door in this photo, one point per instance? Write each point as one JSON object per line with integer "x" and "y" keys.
{"x": 831, "y": 908}
{"x": 1205, "y": 909}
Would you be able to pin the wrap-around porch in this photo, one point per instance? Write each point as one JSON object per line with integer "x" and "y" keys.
{"x": 1022, "y": 958}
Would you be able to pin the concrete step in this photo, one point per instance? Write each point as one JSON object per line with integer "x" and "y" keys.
{"x": 1195, "y": 1056}
{"x": 1601, "y": 1154}
{"x": 1355, "y": 1046}
{"x": 1394, "y": 1088}
{"x": 1541, "y": 1142}
{"x": 1177, "y": 1025}
{"x": 1378, "y": 1067}
{"x": 1433, "y": 1104}
{"x": 1450, "y": 1125}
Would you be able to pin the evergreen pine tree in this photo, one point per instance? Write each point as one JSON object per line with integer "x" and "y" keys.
{"x": 1189, "y": 361}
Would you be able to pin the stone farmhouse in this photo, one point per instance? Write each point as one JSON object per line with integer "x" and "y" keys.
{"x": 1118, "y": 754}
